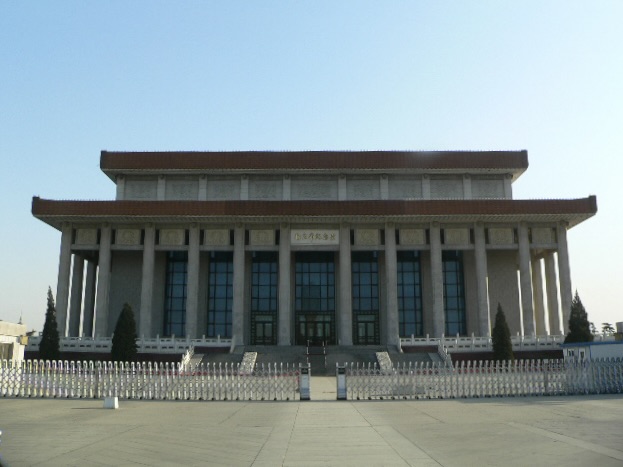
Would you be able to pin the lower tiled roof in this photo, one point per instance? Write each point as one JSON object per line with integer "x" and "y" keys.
{"x": 571, "y": 210}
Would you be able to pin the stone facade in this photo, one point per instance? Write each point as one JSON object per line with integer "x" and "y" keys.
{"x": 295, "y": 245}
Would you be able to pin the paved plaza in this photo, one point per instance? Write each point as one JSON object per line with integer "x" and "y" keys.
{"x": 527, "y": 431}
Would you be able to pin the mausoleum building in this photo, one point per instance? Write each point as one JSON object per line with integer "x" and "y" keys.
{"x": 281, "y": 248}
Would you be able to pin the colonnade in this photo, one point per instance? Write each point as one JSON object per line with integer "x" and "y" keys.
{"x": 77, "y": 308}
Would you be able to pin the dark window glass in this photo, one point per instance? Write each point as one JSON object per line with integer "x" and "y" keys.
{"x": 220, "y": 294}
{"x": 175, "y": 294}
{"x": 409, "y": 294}
{"x": 454, "y": 293}
{"x": 365, "y": 294}
{"x": 264, "y": 291}
{"x": 314, "y": 282}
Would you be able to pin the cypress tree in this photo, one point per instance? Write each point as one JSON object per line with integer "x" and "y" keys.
{"x": 501, "y": 337}
{"x": 579, "y": 326}
{"x": 124, "y": 347}
{"x": 49, "y": 347}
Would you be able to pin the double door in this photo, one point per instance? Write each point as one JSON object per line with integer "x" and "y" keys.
{"x": 315, "y": 329}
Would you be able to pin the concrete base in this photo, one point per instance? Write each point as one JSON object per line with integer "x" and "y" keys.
{"x": 111, "y": 403}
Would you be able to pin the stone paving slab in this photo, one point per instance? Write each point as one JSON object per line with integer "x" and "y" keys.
{"x": 538, "y": 431}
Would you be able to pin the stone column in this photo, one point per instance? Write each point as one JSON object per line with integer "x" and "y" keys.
{"x": 346, "y": 296}
{"x": 203, "y": 188}
{"x": 537, "y": 294}
{"x": 384, "y": 186}
{"x": 75, "y": 307}
{"x": 342, "y": 192}
{"x": 436, "y": 271}
{"x": 285, "y": 311}
{"x": 147, "y": 283}
{"x": 244, "y": 188}
{"x": 480, "y": 250}
{"x": 391, "y": 279}
{"x": 62, "y": 286}
{"x": 120, "y": 187}
{"x": 103, "y": 284}
{"x": 467, "y": 187}
{"x": 525, "y": 280}
{"x": 551, "y": 283}
{"x": 238, "y": 285}
{"x": 287, "y": 186}
{"x": 425, "y": 187}
{"x": 192, "y": 284}
{"x": 89, "y": 299}
{"x": 508, "y": 187}
{"x": 161, "y": 191}
{"x": 565, "y": 274}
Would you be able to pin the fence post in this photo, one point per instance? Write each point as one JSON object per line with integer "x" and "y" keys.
{"x": 341, "y": 381}
{"x": 304, "y": 375}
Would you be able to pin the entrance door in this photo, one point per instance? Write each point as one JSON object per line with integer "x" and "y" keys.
{"x": 263, "y": 330}
{"x": 315, "y": 329}
{"x": 366, "y": 330}
{"x": 314, "y": 298}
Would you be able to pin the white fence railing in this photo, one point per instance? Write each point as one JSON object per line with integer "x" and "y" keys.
{"x": 170, "y": 381}
{"x": 484, "y": 344}
{"x": 152, "y": 345}
{"x": 485, "y": 379}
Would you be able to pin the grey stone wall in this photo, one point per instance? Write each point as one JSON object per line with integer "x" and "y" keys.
{"x": 503, "y": 287}
{"x": 125, "y": 285}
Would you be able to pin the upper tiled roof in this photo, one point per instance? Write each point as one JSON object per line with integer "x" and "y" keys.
{"x": 513, "y": 162}
{"x": 572, "y": 211}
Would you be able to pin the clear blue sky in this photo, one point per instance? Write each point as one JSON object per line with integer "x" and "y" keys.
{"x": 78, "y": 77}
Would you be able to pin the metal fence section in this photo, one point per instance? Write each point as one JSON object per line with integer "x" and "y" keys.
{"x": 484, "y": 379}
{"x": 162, "y": 381}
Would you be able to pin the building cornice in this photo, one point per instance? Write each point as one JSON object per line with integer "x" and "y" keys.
{"x": 570, "y": 211}
{"x": 317, "y": 162}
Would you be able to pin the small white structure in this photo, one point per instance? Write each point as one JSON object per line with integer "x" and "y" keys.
{"x": 593, "y": 350}
{"x": 111, "y": 402}
{"x": 12, "y": 340}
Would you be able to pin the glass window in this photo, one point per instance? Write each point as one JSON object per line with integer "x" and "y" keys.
{"x": 264, "y": 291}
{"x": 365, "y": 295}
{"x": 175, "y": 294}
{"x": 220, "y": 294}
{"x": 314, "y": 282}
{"x": 409, "y": 294}
{"x": 454, "y": 293}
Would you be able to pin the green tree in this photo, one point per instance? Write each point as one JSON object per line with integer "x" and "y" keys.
{"x": 593, "y": 328}
{"x": 607, "y": 329}
{"x": 579, "y": 326}
{"x": 124, "y": 339}
{"x": 501, "y": 337}
{"x": 49, "y": 347}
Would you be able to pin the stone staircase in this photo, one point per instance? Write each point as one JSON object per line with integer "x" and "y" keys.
{"x": 298, "y": 354}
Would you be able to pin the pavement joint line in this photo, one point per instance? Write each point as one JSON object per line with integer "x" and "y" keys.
{"x": 615, "y": 454}
{"x": 100, "y": 440}
{"x": 244, "y": 405}
{"x": 403, "y": 437}
{"x": 285, "y": 454}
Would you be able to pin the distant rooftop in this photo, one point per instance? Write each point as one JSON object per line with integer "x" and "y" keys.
{"x": 514, "y": 162}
